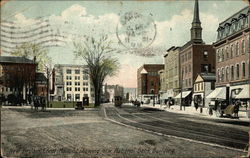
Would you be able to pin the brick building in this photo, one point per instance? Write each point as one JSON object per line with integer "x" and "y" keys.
{"x": 148, "y": 81}
{"x": 232, "y": 57}
{"x": 195, "y": 57}
{"x": 17, "y": 77}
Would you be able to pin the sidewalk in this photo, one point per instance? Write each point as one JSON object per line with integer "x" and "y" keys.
{"x": 190, "y": 110}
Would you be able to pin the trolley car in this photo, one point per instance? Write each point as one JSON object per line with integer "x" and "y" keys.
{"x": 118, "y": 101}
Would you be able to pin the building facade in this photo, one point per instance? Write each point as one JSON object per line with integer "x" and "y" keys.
{"x": 72, "y": 83}
{"x": 171, "y": 71}
{"x": 195, "y": 57}
{"x": 148, "y": 81}
{"x": 204, "y": 84}
{"x": 232, "y": 56}
{"x": 14, "y": 78}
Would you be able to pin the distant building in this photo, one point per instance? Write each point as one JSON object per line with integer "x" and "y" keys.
{"x": 17, "y": 76}
{"x": 72, "y": 83}
{"x": 148, "y": 81}
{"x": 195, "y": 57}
{"x": 110, "y": 91}
{"x": 41, "y": 84}
{"x": 204, "y": 84}
{"x": 232, "y": 57}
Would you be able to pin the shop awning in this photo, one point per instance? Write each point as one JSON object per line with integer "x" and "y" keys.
{"x": 218, "y": 93}
{"x": 244, "y": 94}
{"x": 164, "y": 96}
{"x": 184, "y": 94}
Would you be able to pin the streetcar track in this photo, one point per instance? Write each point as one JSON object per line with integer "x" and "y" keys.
{"x": 199, "y": 136}
{"x": 192, "y": 127}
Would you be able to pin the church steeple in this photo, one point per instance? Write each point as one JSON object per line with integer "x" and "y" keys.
{"x": 196, "y": 30}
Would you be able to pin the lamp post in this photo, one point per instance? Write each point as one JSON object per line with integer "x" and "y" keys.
{"x": 181, "y": 88}
{"x": 228, "y": 98}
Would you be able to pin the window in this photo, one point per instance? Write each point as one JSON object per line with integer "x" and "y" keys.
{"x": 189, "y": 68}
{"x": 222, "y": 74}
{"x": 237, "y": 71}
{"x": 243, "y": 46}
{"x": 86, "y": 89}
{"x": 77, "y": 71}
{"x": 243, "y": 69}
{"x": 68, "y": 89}
{"x": 68, "y": 77}
{"x": 68, "y": 71}
{"x": 232, "y": 72}
{"x": 198, "y": 87}
{"x": 227, "y": 54}
{"x": 77, "y": 77}
{"x": 152, "y": 83}
{"x": 227, "y": 73}
{"x": 218, "y": 56}
{"x": 68, "y": 83}
{"x": 205, "y": 54}
{"x": 222, "y": 54}
{"x": 202, "y": 86}
{"x": 232, "y": 51}
{"x": 237, "y": 49}
{"x": 189, "y": 81}
{"x": 218, "y": 75}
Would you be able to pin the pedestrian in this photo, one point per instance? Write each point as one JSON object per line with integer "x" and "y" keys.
{"x": 236, "y": 108}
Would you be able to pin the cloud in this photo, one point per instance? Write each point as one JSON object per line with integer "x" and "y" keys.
{"x": 175, "y": 30}
{"x": 22, "y": 20}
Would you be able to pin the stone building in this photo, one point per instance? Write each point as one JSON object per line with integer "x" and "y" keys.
{"x": 72, "y": 83}
{"x": 232, "y": 57}
{"x": 195, "y": 57}
{"x": 148, "y": 81}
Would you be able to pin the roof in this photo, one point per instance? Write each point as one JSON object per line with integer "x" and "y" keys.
{"x": 70, "y": 65}
{"x": 40, "y": 77}
{"x": 208, "y": 76}
{"x": 235, "y": 16}
{"x": 14, "y": 59}
{"x": 173, "y": 48}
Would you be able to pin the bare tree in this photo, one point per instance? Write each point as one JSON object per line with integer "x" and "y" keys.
{"x": 31, "y": 51}
{"x": 97, "y": 53}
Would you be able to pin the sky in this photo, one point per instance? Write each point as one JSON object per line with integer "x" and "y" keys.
{"x": 172, "y": 20}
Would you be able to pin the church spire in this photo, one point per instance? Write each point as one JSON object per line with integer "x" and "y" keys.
{"x": 196, "y": 30}
{"x": 196, "y": 13}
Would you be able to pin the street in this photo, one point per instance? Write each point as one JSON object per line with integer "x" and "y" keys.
{"x": 225, "y": 132}
{"x": 88, "y": 133}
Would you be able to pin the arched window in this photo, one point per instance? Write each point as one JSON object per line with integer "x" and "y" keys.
{"x": 222, "y": 54}
{"x": 243, "y": 69}
{"x": 222, "y": 74}
{"x": 237, "y": 49}
{"x": 218, "y": 75}
{"x": 227, "y": 73}
{"x": 243, "y": 46}
{"x": 232, "y": 51}
{"x": 237, "y": 71}
{"x": 218, "y": 55}
{"x": 227, "y": 54}
{"x": 232, "y": 73}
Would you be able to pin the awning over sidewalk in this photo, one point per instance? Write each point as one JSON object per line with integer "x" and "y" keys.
{"x": 184, "y": 94}
{"x": 244, "y": 93}
{"x": 164, "y": 96}
{"x": 218, "y": 93}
